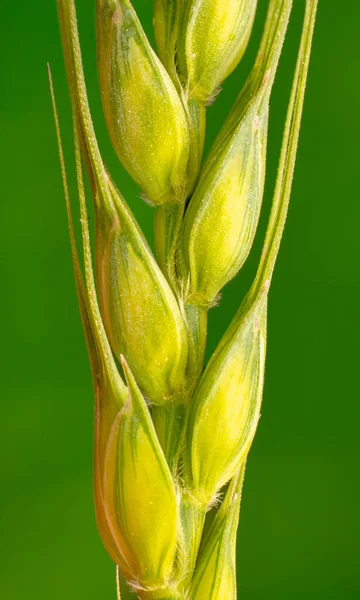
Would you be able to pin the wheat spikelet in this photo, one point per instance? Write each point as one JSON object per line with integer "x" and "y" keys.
{"x": 172, "y": 437}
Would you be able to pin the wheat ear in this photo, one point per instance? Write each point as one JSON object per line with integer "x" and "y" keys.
{"x": 172, "y": 436}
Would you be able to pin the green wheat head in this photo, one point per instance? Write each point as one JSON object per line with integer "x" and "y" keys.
{"x": 172, "y": 436}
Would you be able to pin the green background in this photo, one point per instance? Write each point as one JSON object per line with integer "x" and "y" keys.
{"x": 299, "y": 531}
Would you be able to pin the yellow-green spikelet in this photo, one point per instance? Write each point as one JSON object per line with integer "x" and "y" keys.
{"x": 144, "y": 114}
{"x": 141, "y": 314}
{"x": 166, "y": 25}
{"x": 213, "y": 37}
{"x": 144, "y": 494}
{"x": 221, "y": 221}
{"x": 226, "y": 404}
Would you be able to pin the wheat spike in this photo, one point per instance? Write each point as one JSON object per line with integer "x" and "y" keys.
{"x": 172, "y": 436}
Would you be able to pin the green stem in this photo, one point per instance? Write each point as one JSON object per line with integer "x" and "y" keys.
{"x": 168, "y": 218}
{"x": 196, "y": 320}
{"x": 196, "y": 115}
{"x": 192, "y": 520}
{"x": 167, "y": 224}
{"x": 169, "y": 422}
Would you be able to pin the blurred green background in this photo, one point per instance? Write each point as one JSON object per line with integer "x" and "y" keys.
{"x": 299, "y": 531}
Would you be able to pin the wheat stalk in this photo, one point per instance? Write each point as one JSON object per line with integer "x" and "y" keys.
{"x": 172, "y": 438}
